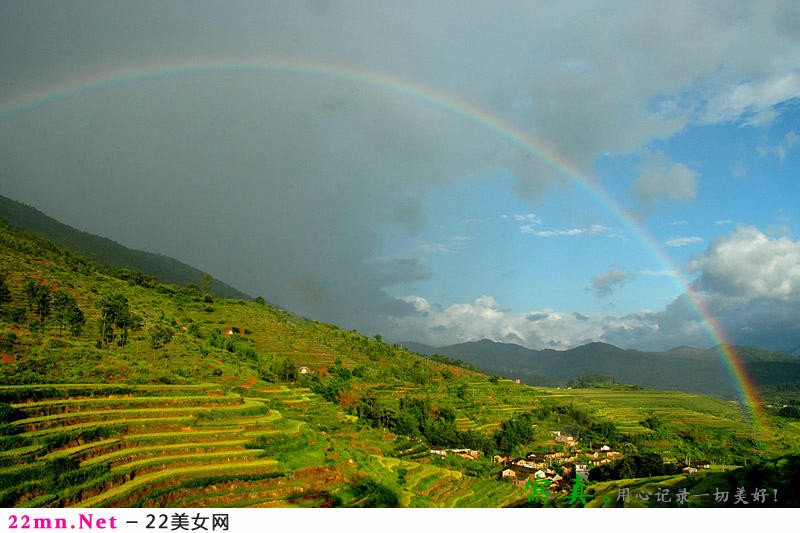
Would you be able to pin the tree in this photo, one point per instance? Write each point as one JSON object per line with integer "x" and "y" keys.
{"x": 288, "y": 371}
{"x": 7, "y": 342}
{"x": 75, "y": 320}
{"x": 114, "y": 313}
{"x": 38, "y": 298}
{"x": 461, "y": 391}
{"x": 206, "y": 283}
{"x": 29, "y": 290}
{"x": 160, "y": 336}
{"x": 62, "y": 302}
{"x": 43, "y": 300}
{"x": 5, "y": 292}
{"x": 135, "y": 323}
{"x": 514, "y": 432}
{"x": 68, "y": 313}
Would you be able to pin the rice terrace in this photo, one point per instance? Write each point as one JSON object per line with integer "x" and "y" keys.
{"x": 484, "y": 255}
{"x": 166, "y": 396}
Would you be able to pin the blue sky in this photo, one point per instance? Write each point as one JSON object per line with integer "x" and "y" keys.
{"x": 338, "y": 188}
{"x": 483, "y": 239}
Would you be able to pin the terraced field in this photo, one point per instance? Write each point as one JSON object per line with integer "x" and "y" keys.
{"x": 225, "y": 433}
{"x": 682, "y": 409}
{"x": 114, "y": 445}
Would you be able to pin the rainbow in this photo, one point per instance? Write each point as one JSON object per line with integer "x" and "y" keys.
{"x": 433, "y": 98}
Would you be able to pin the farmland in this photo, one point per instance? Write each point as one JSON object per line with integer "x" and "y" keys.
{"x": 169, "y": 397}
{"x": 134, "y": 447}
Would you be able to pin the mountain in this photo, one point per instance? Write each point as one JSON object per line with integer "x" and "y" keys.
{"x": 106, "y": 251}
{"x": 177, "y": 403}
{"x": 682, "y": 368}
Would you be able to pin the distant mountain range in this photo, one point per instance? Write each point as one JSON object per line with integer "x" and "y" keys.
{"x": 106, "y": 251}
{"x": 684, "y": 368}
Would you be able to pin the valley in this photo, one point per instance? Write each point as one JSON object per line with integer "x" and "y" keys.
{"x": 167, "y": 396}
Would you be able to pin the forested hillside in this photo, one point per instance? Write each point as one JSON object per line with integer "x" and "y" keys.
{"x": 121, "y": 391}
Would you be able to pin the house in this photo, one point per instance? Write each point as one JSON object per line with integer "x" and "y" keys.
{"x": 303, "y": 370}
{"x": 527, "y": 463}
{"x": 439, "y": 451}
{"x": 230, "y": 331}
{"x": 565, "y": 439}
{"x": 581, "y": 471}
{"x": 705, "y": 465}
{"x": 688, "y": 470}
{"x": 502, "y": 459}
{"x": 556, "y": 482}
{"x": 515, "y": 471}
{"x": 466, "y": 453}
{"x": 536, "y": 460}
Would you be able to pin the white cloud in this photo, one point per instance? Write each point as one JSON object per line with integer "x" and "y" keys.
{"x": 675, "y": 223}
{"x": 662, "y": 179}
{"x": 749, "y": 283}
{"x": 545, "y": 328}
{"x": 420, "y": 304}
{"x": 530, "y": 218}
{"x": 747, "y": 263}
{"x": 753, "y": 102}
{"x": 594, "y": 229}
{"x": 453, "y": 244}
{"x": 683, "y": 241}
{"x": 533, "y": 226}
{"x": 484, "y": 318}
{"x": 666, "y": 273}
{"x": 789, "y": 141}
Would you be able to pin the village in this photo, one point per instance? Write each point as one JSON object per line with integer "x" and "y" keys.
{"x": 555, "y": 467}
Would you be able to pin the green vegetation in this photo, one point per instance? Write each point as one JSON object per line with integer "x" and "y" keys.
{"x": 245, "y": 404}
{"x": 143, "y": 269}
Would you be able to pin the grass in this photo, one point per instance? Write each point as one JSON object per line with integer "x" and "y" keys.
{"x": 151, "y": 479}
{"x": 107, "y": 414}
{"x": 163, "y": 449}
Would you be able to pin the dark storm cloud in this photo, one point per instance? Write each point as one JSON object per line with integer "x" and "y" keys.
{"x": 282, "y": 184}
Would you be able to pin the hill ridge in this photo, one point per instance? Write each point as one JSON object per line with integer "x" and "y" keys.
{"x": 221, "y": 412}
{"x": 107, "y": 251}
{"x": 681, "y": 368}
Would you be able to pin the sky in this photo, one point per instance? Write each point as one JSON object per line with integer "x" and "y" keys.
{"x": 548, "y": 174}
